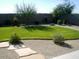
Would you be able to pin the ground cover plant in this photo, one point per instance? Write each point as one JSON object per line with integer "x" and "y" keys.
{"x": 15, "y": 39}
{"x": 37, "y": 32}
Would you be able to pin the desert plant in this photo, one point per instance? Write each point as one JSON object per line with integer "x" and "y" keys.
{"x": 25, "y": 13}
{"x": 58, "y": 38}
{"x": 15, "y": 40}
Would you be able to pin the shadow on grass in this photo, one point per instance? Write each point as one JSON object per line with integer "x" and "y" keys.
{"x": 63, "y": 44}
{"x": 43, "y": 28}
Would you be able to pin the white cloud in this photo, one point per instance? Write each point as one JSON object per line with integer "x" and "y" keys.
{"x": 7, "y": 9}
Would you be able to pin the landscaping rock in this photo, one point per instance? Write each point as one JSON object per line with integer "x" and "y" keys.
{"x": 4, "y": 44}
{"x": 25, "y": 52}
{"x": 13, "y": 47}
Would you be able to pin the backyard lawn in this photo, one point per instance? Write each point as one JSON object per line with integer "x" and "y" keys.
{"x": 37, "y": 32}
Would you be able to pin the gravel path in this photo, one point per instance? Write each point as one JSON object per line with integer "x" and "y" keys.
{"x": 6, "y": 54}
{"x": 71, "y": 27}
{"x": 46, "y": 47}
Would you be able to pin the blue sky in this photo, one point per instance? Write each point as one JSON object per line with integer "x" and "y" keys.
{"x": 42, "y": 6}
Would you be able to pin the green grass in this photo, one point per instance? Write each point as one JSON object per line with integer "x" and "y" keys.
{"x": 37, "y": 32}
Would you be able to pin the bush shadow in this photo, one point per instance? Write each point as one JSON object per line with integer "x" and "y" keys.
{"x": 19, "y": 45}
{"x": 63, "y": 44}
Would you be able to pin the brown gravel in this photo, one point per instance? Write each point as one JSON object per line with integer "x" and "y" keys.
{"x": 46, "y": 47}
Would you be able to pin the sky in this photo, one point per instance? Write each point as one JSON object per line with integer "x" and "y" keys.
{"x": 42, "y": 6}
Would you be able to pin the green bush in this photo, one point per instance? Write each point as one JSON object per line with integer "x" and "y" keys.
{"x": 15, "y": 22}
{"x": 15, "y": 40}
{"x": 59, "y": 22}
{"x": 58, "y": 38}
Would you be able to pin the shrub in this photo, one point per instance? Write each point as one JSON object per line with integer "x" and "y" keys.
{"x": 7, "y": 22}
{"x": 15, "y": 22}
{"x": 58, "y": 38}
{"x": 15, "y": 40}
{"x": 59, "y": 22}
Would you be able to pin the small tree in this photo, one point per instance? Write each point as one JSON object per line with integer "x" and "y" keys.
{"x": 25, "y": 12}
{"x": 62, "y": 11}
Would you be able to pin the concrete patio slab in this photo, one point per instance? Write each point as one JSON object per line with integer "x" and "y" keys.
{"x": 4, "y": 44}
{"x": 72, "y": 55}
{"x": 25, "y": 52}
{"x": 35, "y": 56}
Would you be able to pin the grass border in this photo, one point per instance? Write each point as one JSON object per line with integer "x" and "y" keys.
{"x": 40, "y": 39}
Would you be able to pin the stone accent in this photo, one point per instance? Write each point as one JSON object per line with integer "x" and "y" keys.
{"x": 4, "y": 44}
{"x": 25, "y": 52}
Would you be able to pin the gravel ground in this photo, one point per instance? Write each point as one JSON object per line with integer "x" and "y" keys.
{"x": 71, "y": 27}
{"x": 45, "y": 47}
{"x": 6, "y": 54}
